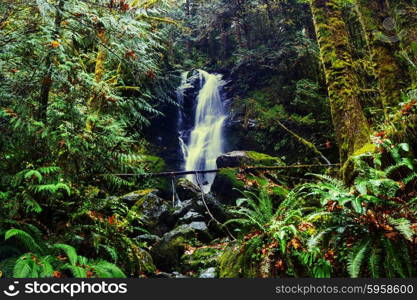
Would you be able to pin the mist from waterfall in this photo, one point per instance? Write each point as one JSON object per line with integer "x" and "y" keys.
{"x": 205, "y": 141}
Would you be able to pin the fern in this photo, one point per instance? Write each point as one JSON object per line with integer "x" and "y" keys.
{"x": 374, "y": 263}
{"x": 404, "y": 227}
{"x": 356, "y": 259}
{"x": 105, "y": 269}
{"x": 69, "y": 251}
{"x": 25, "y": 238}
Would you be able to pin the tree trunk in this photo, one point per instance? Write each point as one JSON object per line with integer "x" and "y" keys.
{"x": 351, "y": 127}
{"x": 391, "y": 77}
{"x": 94, "y": 104}
{"x": 405, "y": 15}
{"x": 269, "y": 12}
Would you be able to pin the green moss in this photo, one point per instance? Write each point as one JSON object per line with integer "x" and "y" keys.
{"x": 229, "y": 176}
{"x": 369, "y": 147}
{"x": 234, "y": 264}
{"x": 350, "y": 124}
{"x": 146, "y": 262}
{"x": 241, "y": 261}
{"x": 264, "y": 159}
{"x": 201, "y": 258}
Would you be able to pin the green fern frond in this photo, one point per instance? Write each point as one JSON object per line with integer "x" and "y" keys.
{"x": 25, "y": 238}
{"x": 356, "y": 259}
{"x": 69, "y": 251}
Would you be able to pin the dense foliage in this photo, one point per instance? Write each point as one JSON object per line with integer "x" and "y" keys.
{"x": 308, "y": 81}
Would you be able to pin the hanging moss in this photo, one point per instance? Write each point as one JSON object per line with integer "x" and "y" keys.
{"x": 350, "y": 125}
{"x": 392, "y": 78}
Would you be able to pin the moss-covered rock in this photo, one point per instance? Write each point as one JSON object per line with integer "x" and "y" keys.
{"x": 168, "y": 251}
{"x": 261, "y": 159}
{"x": 230, "y": 180}
{"x": 150, "y": 210}
{"x": 237, "y": 159}
{"x": 237, "y": 263}
{"x": 200, "y": 259}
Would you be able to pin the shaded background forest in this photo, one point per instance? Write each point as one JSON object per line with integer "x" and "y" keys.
{"x": 87, "y": 92}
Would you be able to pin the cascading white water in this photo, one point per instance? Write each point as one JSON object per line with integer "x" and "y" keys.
{"x": 205, "y": 143}
{"x": 180, "y": 97}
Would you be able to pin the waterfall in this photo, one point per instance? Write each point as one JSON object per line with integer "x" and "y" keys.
{"x": 181, "y": 116}
{"x": 205, "y": 141}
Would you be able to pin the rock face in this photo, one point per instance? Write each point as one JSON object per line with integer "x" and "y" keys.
{"x": 172, "y": 229}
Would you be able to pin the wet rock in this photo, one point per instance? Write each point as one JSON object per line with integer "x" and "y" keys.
{"x": 186, "y": 189}
{"x": 151, "y": 210}
{"x": 135, "y": 196}
{"x": 233, "y": 159}
{"x": 198, "y": 226}
{"x": 183, "y": 208}
{"x": 179, "y": 275}
{"x": 191, "y": 216}
{"x": 150, "y": 239}
{"x": 209, "y": 273}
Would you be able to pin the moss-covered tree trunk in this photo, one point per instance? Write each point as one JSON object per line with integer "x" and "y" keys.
{"x": 350, "y": 124}
{"x": 391, "y": 76}
{"x": 94, "y": 103}
{"x": 405, "y": 15}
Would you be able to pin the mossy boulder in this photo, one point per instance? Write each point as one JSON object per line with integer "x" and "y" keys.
{"x": 235, "y": 262}
{"x": 168, "y": 251}
{"x": 150, "y": 210}
{"x": 230, "y": 179}
{"x": 186, "y": 189}
{"x": 236, "y": 159}
{"x": 261, "y": 159}
{"x": 200, "y": 259}
{"x": 146, "y": 263}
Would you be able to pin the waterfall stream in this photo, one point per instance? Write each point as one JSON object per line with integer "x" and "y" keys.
{"x": 204, "y": 143}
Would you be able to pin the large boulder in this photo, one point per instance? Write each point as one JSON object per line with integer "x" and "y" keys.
{"x": 186, "y": 189}
{"x": 151, "y": 210}
{"x": 230, "y": 180}
{"x": 195, "y": 201}
{"x": 168, "y": 251}
{"x": 237, "y": 159}
{"x": 233, "y": 159}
